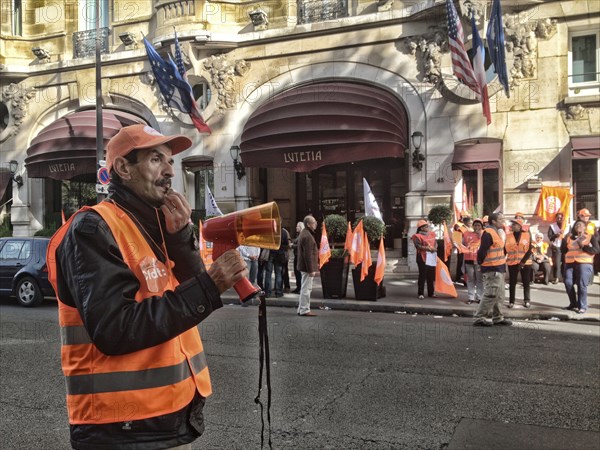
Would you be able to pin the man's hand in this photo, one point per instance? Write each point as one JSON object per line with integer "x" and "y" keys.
{"x": 177, "y": 211}
{"x": 228, "y": 269}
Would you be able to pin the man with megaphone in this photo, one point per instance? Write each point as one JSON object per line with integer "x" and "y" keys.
{"x": 132, "y": 289}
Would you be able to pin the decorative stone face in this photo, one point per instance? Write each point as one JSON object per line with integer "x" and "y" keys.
{"x": 16, "y": 97}
{"x": 575, "y": 112}
{"x": 428, "y": 49}
{"x": 222, "y": 76}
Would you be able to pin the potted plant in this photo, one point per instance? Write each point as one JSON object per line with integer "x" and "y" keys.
{"x": 437, "y": 216}
{"x": 368, "y": 288}
{"x": 334, "y": 274}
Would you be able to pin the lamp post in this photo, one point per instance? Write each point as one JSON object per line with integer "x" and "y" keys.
{"x": 13, "y": 166}
{"x": 418, "y": 157}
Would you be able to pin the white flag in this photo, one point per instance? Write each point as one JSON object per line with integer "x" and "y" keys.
{"x": 371, "y": 207}
{"x": 212, "y": 209}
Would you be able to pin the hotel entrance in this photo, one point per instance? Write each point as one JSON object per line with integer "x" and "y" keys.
{"x": 338, "y": 189}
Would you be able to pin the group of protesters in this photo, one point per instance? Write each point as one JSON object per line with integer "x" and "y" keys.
{"x": 570, "y": 255}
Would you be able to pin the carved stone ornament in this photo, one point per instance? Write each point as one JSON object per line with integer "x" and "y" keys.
{"x": 384, "y": 5}
{"x": 222, "y": 79}
{"x": 575, "y": 112}
{"x": 428, "y": 49}
{"x": 521, "y": 35}
{"x": 17, "y": 98}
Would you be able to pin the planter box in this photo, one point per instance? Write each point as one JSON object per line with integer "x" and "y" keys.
{"x": 367, "y": 289}
{"x": 334, "y": 277}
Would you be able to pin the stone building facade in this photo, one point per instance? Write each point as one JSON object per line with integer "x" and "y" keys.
{"x": 305, "y": 98}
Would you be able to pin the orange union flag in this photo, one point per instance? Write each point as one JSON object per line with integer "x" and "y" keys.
{"x": 552, "y": 201}
{"x": 443, "y": 281}
{"x": 380, "y": 268}
{"x": 324, "y": 250}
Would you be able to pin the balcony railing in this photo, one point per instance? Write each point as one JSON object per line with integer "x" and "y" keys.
{"x": 84, "y": 43}
{"x": 310, "y": 11}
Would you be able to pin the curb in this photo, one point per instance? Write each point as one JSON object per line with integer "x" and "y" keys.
{"x": 410, "y": 308}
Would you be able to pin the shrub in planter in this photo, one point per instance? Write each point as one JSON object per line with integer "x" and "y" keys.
{"x": 368, "y": 289}
{"x": 438, "y": 215}
{"x": 334, "y": 274}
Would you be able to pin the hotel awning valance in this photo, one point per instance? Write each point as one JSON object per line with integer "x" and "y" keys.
{"x": 325, "y": 123}
{"x": 67, "y": 147}
{"x": 197, "y": 162}
{"x": 586, "y": 147}
{"x": 483, "y": 153}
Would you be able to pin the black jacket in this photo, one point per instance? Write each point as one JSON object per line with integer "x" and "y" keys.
{"x": 93, "y": 277}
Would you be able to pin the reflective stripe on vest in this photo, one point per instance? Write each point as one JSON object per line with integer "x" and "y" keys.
{"x": 576, "y": 254}
{"x": 472, "y": 241}
{"x": 495, "y": 255}
{"x": 147, "y": 383}
{"x": 516, "y": 250}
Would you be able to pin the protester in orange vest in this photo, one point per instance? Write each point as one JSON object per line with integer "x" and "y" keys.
{"x": 518, "y": 259}
{"x": 460, "y": 228}
{"x": 425, "y": 243}
{"x": 579, "y": 249}
{"x": 556, "y": 232}
{"x": 472, "y": 240}
{"x": 492, "y": 260}
{"x": 541, "y": 258}
{"x": 131, "y": 290}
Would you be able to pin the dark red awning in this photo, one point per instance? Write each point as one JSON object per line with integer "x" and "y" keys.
{"x": 586, "y": 147}
{"x": 197, "y": 162}
{"x": 325, "y": 123}
{"x": 67, "y": 147}
{"x": 482, "y": 153}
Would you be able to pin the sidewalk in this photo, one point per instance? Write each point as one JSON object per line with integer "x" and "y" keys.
{"x": 547, "y": 301}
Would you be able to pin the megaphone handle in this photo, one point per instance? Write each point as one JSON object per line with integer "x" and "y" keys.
{"x": 245, "y": 289}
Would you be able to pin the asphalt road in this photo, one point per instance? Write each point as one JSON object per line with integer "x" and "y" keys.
{"x": 346, "y": 380}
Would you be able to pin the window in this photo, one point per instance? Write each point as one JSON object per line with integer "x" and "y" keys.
{"x": 17, "y": 18}
{"x": 310, "y": 11}
{"x": 202, "y": 94}
{"x": 585, "y": 185}
{"x": 584, "y": 67}
{"x": 11, "y": 250}
{"x": 482, "y": 189}
{"x": 202, "y": 177}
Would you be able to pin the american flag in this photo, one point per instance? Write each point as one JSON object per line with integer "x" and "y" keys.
{"x": 460, "y": 61}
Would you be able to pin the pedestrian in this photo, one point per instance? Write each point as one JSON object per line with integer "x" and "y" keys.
{"x": 542, "y": 260}
{"x": 518, "y": 258}
{"x": 285, "y": 274}
{"x": 250, "y": 256}
{"x": 492, "y": 261}
{"x": 590, "y": 228}
{"x": 131, "y": 290}
{"x": 297, "y": 273}
{"x": 463, "y": 225}
{"x": 555, "y": 235}
{"x": 308, "y": 264}
{"x": 472, "y": 240}
{"x": 276, "y": 264}
{"x": 426, "y": 244}
{"x": 579, "y": 249}
{"x": 263, "y": 259}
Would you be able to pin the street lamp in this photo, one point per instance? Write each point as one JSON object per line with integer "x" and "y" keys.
{"x": 418, "y": 157}
{"x": 234, "y": 151}
{"x": 13, "y": 167}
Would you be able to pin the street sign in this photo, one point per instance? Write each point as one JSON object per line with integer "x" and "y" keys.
{"x": 101, "y": 188}
{"x": 103, "y": 175}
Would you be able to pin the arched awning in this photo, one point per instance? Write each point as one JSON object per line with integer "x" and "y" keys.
{"x": 479, "y": 153}
{"x": 586, "y": 147}
{"x": 67, "y": 147}
{"x": 325, "y": 123}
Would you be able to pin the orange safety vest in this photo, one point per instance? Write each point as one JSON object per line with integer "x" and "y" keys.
{"x": 576, "y": 254}
{"x": 147, "y": 383}
{"x": 516, "y": 250}
{"x": 472, "y": 241}
{"x": 495, "y": 255}
{"x": 424, "y": 240}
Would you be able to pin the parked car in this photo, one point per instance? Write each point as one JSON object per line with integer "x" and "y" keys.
{"x": 23, "y": 270}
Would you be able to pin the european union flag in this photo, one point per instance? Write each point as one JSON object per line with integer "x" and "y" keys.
{"x": 176, "y": 91}
{"x": 495, "y": 43}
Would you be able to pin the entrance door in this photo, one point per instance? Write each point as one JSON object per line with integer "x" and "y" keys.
{"x": 338, "y": 189}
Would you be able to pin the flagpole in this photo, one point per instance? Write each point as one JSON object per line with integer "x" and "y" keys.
{"x": 99, "y": 123}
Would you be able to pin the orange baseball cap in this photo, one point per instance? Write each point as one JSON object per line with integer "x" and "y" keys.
{"x": 421, "y": 222}
{"x": 584, "y": 212}
{"x": 519, "y": 221}
{"x": 141, "y": 136}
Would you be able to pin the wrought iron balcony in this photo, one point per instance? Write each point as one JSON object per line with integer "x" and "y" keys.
{"x": 310, "y": 11}
{"x": 84, "y": 43}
